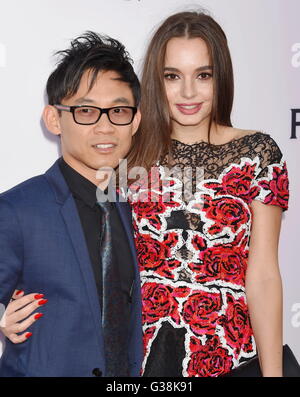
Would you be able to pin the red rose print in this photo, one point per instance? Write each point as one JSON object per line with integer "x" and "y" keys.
{"x": 200, "y": 312}
{"x": 225, "y": 212}
{"x": 159, "y": 301}
{"x": 210, "y": 360}
{"x": 155, "y": 255}
{"x": 237, "y": 182}
{"x": 150, "y": 205}
{"x": 236, "y": 324}
{"x": 150, "y": 211}
{"x": 278, "y": 187}
{"x": 226, "y": 262}
{"x": 214, "y": 231}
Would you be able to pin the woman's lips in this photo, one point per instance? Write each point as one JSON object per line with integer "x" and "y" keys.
{"x": 189, "y": 108}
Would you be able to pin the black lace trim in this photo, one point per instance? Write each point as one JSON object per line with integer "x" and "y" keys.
{"x": 213, "y": 159}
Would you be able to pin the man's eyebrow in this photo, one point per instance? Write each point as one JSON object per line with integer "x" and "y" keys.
{"x": 200, "y": 69}
{"x": 84, "y": 100}
{"x": 121, "y": 100}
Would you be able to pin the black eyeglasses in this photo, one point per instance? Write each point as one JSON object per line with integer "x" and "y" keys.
{"x": 87, "y": 115}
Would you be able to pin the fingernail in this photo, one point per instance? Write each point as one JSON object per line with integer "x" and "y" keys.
{"x": 38, "y": 315}
{"x": 19, "y": 292}
{"x": 38, "y": 296}
{"x": 28, "y": 335}
{"x": 43, "y": 301}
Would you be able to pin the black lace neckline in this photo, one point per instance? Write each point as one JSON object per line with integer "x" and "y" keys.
{"x": 203, "y": 143}
{"x": 215, "y": 158}
{"x": 200, "y": 160}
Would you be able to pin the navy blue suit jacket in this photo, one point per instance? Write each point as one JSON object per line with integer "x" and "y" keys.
{"x": 43, "y": 249}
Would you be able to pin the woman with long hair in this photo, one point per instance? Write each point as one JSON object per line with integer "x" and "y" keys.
{"x": 211, "y": 297}
{"x": 207, "y": 218}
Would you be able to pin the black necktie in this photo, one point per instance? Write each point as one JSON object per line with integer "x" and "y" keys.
{"x": 112, "y": 302}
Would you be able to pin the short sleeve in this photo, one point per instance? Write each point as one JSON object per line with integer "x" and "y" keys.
{"x": 271, "y": 180}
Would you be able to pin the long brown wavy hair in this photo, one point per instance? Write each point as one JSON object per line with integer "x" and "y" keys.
{"x": 153, "y": 140}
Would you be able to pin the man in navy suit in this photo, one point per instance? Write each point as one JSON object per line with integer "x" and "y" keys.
{"x": 51, "y": 225}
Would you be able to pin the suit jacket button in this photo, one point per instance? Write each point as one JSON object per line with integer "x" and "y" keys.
{"x": 97, "y": 372}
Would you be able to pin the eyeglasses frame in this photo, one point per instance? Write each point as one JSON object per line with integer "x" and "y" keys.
{"x": 72, "y": 109}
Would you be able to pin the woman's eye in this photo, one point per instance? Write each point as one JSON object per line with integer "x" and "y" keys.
{"x": 205, "y": 76}
{"x": 171, "y": 76}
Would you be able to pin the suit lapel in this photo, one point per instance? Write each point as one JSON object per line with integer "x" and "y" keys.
{"x": 72, "y": 221}
{"x": 71, "y": 218}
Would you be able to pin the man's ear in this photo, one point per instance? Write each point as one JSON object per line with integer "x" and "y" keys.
{"x": 136, "y": 121}
{"x": 51, "y": 119}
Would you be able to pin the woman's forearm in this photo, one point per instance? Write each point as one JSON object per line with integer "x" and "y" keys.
{"x": 265, "y": 308}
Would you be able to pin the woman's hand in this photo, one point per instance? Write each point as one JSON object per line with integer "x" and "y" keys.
{"x": 17, "y": 316}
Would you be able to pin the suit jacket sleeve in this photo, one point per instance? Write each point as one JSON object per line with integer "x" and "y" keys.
{"x": 11, "y": 251}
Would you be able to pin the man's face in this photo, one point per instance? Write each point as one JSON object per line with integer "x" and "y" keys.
{"x": 82, "y": 144}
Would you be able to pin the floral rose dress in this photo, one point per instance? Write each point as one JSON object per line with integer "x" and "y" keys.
{"x": 193, "y": 249}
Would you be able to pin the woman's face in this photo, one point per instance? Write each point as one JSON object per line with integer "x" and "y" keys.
{"x": 188, "y": 82}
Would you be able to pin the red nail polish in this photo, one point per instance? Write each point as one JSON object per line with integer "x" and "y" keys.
{"x": 38, "y": 315}
{"x": 19, "y": 292}
{"x": 38, "y": 296}
{"x": 28, "y": 335}
{"x": 43, "y": 301}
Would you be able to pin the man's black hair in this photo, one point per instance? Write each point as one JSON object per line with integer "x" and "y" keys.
{"x": 94, "y": 52}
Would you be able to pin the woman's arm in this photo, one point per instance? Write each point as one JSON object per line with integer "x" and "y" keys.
{"x": 264, "y": 287}
{"x": 18, "y": 316}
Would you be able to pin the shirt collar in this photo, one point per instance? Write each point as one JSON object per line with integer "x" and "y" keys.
{"x": 80, "y": 187}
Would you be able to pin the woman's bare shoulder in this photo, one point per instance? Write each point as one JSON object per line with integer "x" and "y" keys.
{"x": 237, "y": 133}
{"x": 228, "y": 134}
